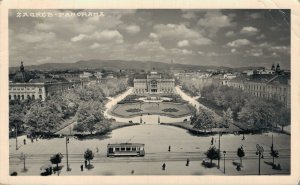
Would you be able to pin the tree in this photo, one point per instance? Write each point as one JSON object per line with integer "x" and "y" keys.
{"x": 16, "y": 115}
{"x": 43, "y": 117}
{"x": 227, "y": 118}
{"x": 56, "y": 159}
{"x": 205, "y": 120}
{"x": 89, "y": 155}
{"x": 90, "y": 118}
{"x": 257, "y": 114}
{"x": 284, "y": 118}
{"x": 240, "y": 154}
{"x": 213, "y": 154}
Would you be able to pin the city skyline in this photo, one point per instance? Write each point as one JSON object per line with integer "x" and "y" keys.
{"x": 230, "y": 38}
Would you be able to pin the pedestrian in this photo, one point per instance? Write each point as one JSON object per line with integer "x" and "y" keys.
{"x": 187, "y": 162}
{"x": 243, "y": 137}
{"x": 164, "y": 166}
{"x": 24, "y": 141}
{"x": 32, "y": 139}
{"x": 212, "y": 141}
{"x": 97, "y": 149}
{"x": 169, "y": 148}
{"x": 81, "y": 167}
{"x": 132, "y": 171}
{"x": 85, "y": 163}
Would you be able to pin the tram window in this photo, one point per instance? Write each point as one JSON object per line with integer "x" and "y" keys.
{"x": 123, "y": 149}
{"x": 127, "y": 148}
{"x": 133, "y": 149}
{"x": 117, "y": 149}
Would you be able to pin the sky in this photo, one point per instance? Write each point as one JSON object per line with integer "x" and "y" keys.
{"x": 231, "y": 38}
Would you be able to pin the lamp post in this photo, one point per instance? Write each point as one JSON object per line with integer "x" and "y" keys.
{"x": 224, "y": 152}
{"x": 23, "y": 157}
{"x": 67, "y": 141}
{"x": 16, "y": 135}
{"x": 259, "y": 152}
{"x": 219, "y": 150}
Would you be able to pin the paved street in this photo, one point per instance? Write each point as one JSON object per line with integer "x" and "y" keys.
{"x": 156, "y": 138}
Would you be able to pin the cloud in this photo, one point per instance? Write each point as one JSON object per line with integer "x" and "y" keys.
{"x": 233, "y": 50}
{"x": 79, "y": 37}
{"x": 108, "y": 35}
{"x": 172, "y": 31}
{"x": 183, "y": 43}
{"x": 213, "y": 21}
{"x": 200, "y": 52}
{"x": 179, "y": 32}
{"x": 212, "y": 54}
{"x": 262, "y": 36}
{"x": 256, "y": 52}
{"x": 188, "y": 14}
{"x": 249, "y": 31}
{"x": 201, "y": 41}
{"x": 255, "y": 15}
{"x": 238, "y": 43}
{"x": 44, "y": 60}
{"x": 133, "y": 29}
{"x": 153, "y": 36}
{"x": 149, "y": 45}
{"x": 94, "y": 46}
{"x": 103, "y": 36}
{"x": 280, "y": 49}
{"x": 36, "y": 36}
{"x": 43, "y": 26}
{"x": 176, "y": 51}
{"x": 229, "y": 34}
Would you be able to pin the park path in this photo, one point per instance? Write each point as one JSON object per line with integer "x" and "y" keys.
{"x": 193, "y": 101}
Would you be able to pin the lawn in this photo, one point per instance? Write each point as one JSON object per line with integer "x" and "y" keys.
{"x": 161, "y": 108}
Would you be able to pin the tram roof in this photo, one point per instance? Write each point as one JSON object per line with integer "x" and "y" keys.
{"x": 125, "y": 144}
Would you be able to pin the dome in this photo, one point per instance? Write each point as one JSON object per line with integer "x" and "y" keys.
{"x": 21, "y": 76}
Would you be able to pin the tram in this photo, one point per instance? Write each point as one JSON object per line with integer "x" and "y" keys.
{"x": 126, "y": 149}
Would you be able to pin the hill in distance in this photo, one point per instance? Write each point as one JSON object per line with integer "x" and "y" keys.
{"x": 115, "y": 64}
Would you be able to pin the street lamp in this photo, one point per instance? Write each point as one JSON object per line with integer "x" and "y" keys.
{"x": 224, "y": 152}
{"x": 23, "y": 157}
{"x": 219, "y": 150}
{"x": 67, "y": 141}
{"x": 259, "y": 152}
{"x": 15, "y": 129}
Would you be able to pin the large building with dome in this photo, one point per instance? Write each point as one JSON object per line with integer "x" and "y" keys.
{"x": 154, "y": 84}
{"x": 24, "y": 86}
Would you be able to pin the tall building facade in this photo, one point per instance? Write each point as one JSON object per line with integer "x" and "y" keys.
{"x": 154, "y": 84}
{"x": 23, "y": 87}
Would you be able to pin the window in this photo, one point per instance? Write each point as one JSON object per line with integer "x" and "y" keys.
{"x": 133, "y": 149}
{"x": 15, "y": 97}
{"x": 40, "y": 96}
{"x": 117, "y": 149}
{"x": 22, "y": 97}
{"x": 123, "y": 149}
{"x": 127, "y": 148}
{"x": 9, "y": 97}
{"x": 33, "y": 97}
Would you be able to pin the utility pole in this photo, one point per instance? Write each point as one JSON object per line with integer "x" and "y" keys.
{"x": 259, "y": 152}
{"x": 67, "y": 141}
{"x": 219, "y": 151}
{"x": 224, "y": 152}
{"x": 16, "y": 135}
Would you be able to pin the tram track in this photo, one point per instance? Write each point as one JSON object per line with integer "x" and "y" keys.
{"x": 149, "y": 157}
